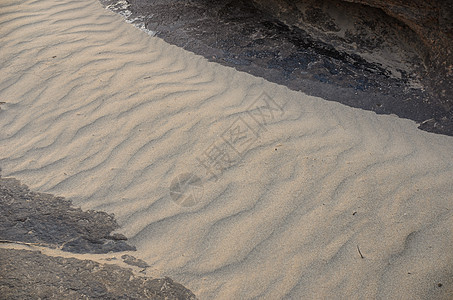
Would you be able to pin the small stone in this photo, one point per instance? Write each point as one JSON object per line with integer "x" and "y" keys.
{"x": 130, "y": 260}
{"x": 119, "y": 237}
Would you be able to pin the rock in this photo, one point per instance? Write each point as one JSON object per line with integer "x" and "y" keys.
{"x": 130, "y": 260}
{"x": 431, "y": 23}
{"x": 119, "y": 237}
{"x": 341, "y": 50}
{"x": 52, "y": 221}
{"x": 31, "y": 275}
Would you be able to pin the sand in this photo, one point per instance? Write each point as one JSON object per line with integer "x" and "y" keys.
{"x": 101, "y": 113}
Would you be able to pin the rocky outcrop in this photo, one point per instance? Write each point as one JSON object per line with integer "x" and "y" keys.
{"x": 431, "y": 23}
{"x": 431, "y": 20}
{"x": 32, "y": 275}
{"x": 51, "y": 221}
{"x": 358, "y": 53}
{"x": 35, "y": 219}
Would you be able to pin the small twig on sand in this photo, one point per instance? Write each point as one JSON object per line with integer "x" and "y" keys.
{"x": 358, "y": 249}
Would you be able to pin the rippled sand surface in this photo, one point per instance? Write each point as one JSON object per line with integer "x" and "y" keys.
{"x": 236, "y": 187}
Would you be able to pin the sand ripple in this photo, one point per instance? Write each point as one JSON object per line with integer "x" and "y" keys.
{"x": 103, "y": 114}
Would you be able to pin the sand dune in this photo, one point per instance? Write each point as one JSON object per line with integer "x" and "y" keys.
{"x": 101, "y": 113}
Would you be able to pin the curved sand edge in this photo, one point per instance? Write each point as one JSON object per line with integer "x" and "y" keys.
{"x": 101, "y": 113}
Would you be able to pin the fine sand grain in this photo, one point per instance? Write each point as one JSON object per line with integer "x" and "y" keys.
{"x": 324, "y": 202}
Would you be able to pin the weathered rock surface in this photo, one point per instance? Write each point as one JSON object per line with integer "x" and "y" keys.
{"x": 431, "y": 20}
{"x": 31, "y": 275}
{"x": 351, "y": 53}
{"x": 431, "y": 23}
{"x": 43, "y": 218}
{"x": 130, "y": 260}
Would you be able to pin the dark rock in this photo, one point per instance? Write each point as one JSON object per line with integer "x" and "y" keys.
{"x": 32, "y": 275}
{"x": 118, "y": 237}
{"x": 42, "y": 218}
{"x": 356, "y": 54}
{"x": 432, "y": 21}
{"x": 430, "y": 33}
{"x": 130, "y": 260}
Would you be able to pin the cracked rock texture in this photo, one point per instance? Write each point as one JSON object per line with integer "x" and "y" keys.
{"x": 431, "y": 21}
{"x": 33, "y": 217}
{"x": 31, "y": 275}
{"x": 385, "y": 56}
{"x": 46, "y": 220}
